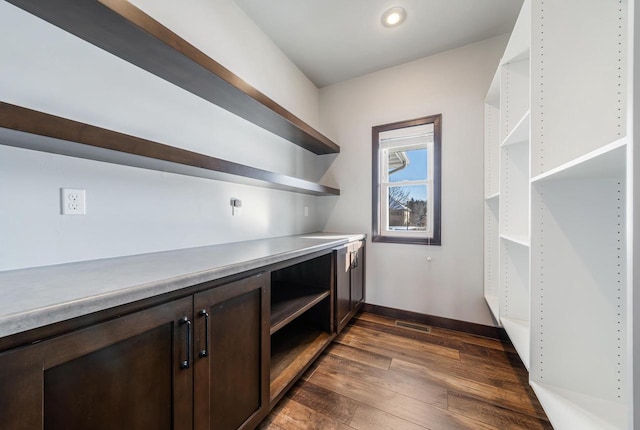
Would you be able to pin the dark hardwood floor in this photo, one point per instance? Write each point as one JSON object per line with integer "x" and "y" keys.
{"x": 377, "y": 375}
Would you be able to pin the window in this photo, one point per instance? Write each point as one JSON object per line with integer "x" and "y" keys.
{"x": 406, "y": 181}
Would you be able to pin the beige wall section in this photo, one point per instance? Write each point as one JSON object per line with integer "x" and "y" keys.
{"x": 453, "y": 83}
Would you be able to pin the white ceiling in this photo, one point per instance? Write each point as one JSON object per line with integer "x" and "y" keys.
{"x": 335, "y": 40}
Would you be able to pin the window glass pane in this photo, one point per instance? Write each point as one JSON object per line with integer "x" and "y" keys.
{"x": 408, "y": 208}
{"x": 407, "y": 165}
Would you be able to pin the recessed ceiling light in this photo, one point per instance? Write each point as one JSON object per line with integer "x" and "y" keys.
{"x": 394, "y": 16}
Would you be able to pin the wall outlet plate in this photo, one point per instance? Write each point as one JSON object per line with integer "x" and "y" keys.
{"x": 73, "y": 201}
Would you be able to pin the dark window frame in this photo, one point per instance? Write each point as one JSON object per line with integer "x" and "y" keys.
{"x": 436, "y": 120}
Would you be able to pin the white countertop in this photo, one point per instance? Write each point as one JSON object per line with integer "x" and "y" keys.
{"x": 36, "y": 297}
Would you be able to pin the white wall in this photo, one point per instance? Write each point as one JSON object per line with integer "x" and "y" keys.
{"x": 132, "y": 210}
{"x": 223, "y": 31}
{"x": 454, "y": 84}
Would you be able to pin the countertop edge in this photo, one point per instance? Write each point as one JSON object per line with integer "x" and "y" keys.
{"x": 22, "y": 321}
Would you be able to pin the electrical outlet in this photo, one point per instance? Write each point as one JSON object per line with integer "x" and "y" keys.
{"x": 73, "y": 201}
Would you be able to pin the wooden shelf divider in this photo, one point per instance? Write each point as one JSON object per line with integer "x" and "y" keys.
{"x": 30, "y": 129}
{"x": 120, "y": 28}
{"x": 291, "y": 355}
{"x": 285, "y": 311}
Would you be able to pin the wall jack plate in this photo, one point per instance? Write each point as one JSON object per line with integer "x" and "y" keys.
{"x": 73, "y": 201}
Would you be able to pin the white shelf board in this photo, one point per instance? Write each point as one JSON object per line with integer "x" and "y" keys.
{"x": 519, "y": 133}
{"x": 494, "y": 303}
{"x": 493, "y": 95}
{"x": 494, "y": 196}
{"x": 519, "y": 334}
{"x": 517, "y": 239}
{"x": 606, "y": 162}
{"x": 569, "y": 410}
{"x": 520, "y": 40}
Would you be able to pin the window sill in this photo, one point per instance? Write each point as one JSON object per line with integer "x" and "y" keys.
{"x": 407, "y": 240}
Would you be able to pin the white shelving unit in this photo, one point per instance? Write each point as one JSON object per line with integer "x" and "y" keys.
{"x": 565, "y": 211}
{"x": 507, "y": 176}
{"x": 492, "y": 199}
{"x": 581, "y": 341}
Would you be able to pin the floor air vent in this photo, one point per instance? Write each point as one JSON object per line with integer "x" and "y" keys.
{"x": 413, "y": 326}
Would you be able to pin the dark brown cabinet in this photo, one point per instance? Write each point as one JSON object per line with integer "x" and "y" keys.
{"x": 350, "y": 283}
{"x": 217, "y": 358}
{"x": 130, "y": 372}
{"x": 231, "y": 351}
{"x": 166, "y": 367}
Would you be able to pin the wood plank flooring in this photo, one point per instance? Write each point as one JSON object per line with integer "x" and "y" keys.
{"x": 380, "y": 376}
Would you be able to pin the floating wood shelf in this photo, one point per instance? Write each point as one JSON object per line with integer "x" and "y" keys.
{"x": 30, "y": 129}
{"x": 120, "y": 28}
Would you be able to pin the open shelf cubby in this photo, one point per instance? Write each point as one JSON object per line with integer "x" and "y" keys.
{"x": 573, "y": 410}
{"x": 514, "y": 191}
{"x": 492, "y": 140}
{"x": 581, "y": 98}
{"x": 514, "y": 295}
{"x": 519, "y": 332}
{"x": 492, "y": 252}
{"x": 519, "y": 46}
{"x": 580, "y": 332}
{"x": 301, "y": 319}
{"x": 288, "y": 304}
{"x": 519, "y": 133}
{"x": 292, "y": 350}
{"x": 514, "y": 97}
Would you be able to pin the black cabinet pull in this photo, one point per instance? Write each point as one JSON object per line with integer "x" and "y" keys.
{"x": 205, "y": 352}
{"x": 185, "y": 364}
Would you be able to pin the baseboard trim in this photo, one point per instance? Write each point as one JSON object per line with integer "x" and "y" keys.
{"x": 448, "y": 323}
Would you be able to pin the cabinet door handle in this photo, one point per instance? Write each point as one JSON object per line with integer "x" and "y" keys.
{"x": 185, "y": 364}
{"x": 205, "y": 352}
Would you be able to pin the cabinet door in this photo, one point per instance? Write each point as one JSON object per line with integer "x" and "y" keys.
{"x": 343, "y": 287}
{"x": 232, "y": 355}
{"x": 133, "y": 372}
{"x": 357, "y": 276}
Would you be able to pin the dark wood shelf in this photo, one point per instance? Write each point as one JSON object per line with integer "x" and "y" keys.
{"x": 287, "y": 309}
{"x": 293, "y": 349}
{"x": 120, "y": 28}
{"x": 30, "y": 129}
